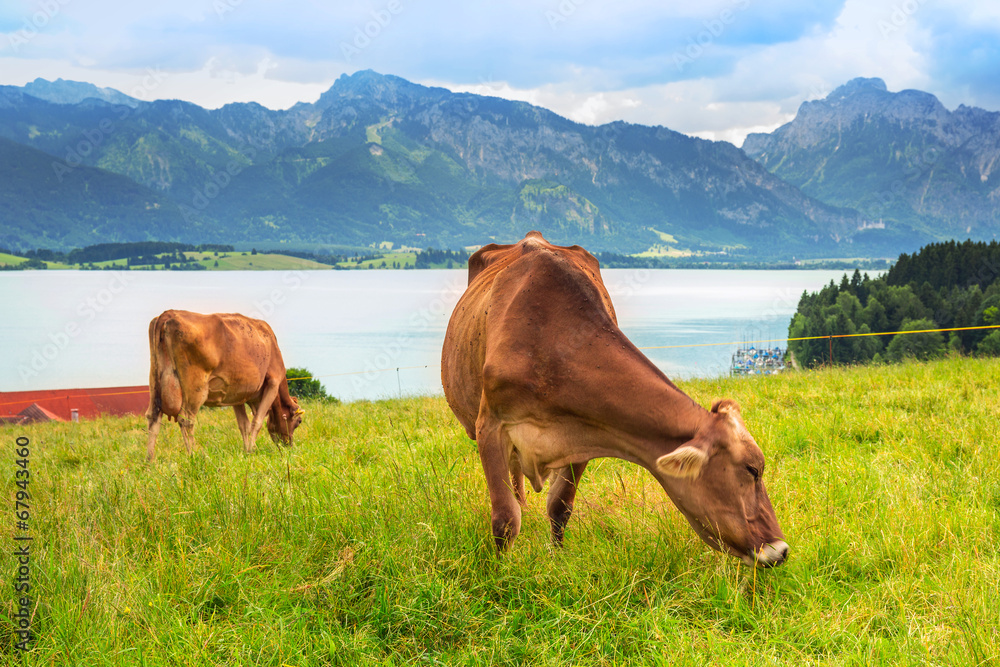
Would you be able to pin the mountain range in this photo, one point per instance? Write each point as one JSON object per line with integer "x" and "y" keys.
{"x": 378, "y": 158}
{"x": 900, "y": 159}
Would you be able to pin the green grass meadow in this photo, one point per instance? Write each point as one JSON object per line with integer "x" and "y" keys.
{"x": 368, "y": 543}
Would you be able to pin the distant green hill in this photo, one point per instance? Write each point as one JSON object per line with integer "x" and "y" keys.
{"x": 42, "y": 207}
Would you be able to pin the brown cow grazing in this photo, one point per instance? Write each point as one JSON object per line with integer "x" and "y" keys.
{"x": 537, "y": 371}
{"x": 215, "y": 360}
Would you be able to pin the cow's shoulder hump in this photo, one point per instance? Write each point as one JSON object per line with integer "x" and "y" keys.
{"x": 533, "y": 241}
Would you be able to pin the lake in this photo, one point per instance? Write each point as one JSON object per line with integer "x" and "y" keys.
{"x": 367, "y": 334}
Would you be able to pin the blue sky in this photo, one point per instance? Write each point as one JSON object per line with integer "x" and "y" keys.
{"x": 715, "y": 69}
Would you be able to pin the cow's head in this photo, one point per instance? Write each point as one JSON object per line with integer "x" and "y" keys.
{"x": 716, "y": 480}
{"x": 283, "y": 419}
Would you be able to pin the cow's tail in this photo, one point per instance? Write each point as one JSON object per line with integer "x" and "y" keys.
{"x": 163, "y": 381}
{"x": 155, "y": 401}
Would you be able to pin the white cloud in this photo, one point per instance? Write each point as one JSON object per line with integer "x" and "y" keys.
{"x": 603, "y": 62}
{"x": 766, "y": 84}
{"x": 589, "y": 108}
{"x": 211, "y": 86}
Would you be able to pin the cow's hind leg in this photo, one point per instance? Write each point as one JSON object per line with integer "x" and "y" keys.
{"x": 506, "y": 511}
{"x": 192, "y": 402}
{"x": 562, "y": 492}
{"x": 186, "y": 422}
{"x": 164, "y": 399}
{"x": 154, "y": 417}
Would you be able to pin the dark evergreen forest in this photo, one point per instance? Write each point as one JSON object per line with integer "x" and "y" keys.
{"x": 943, "y": 286}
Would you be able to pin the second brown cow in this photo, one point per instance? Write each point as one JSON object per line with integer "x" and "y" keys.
{"x": 217, "y": 360}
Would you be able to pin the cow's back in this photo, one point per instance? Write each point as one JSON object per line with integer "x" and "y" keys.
{"x": 229, "y": 353}
{"x": 527, "y": 306}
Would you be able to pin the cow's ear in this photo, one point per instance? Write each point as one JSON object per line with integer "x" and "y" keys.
{"x": 685, "y": 462}
{"x": 724, "y": 405}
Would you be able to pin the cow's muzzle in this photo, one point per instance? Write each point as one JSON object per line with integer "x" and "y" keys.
{"x": 769, "y": 555}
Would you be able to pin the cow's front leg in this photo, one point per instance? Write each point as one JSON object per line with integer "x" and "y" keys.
{"x": 267, "y": 397}
{"x": 562, "y": 492}
{"x": 517, "y": 479}
{"x": 244, "y": 425}
{"x": 506, "y": 511}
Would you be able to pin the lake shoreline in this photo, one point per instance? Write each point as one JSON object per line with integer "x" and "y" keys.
{"x": 397, "y": 261}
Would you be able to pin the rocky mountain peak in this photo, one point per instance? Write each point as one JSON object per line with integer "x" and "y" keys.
{"x": 62, "y": 91}
{"x": 384, "y": 89}
{"x": 858, "y": 100}
{"x": 858, "y": 86}
{"x": 901, "y": 159}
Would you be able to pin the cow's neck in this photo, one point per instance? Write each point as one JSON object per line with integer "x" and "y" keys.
{"x": 636, "y": 402}
{"x": 284, "y": 397}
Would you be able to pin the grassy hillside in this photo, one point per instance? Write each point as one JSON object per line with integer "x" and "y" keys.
{"x": 226, "y": 261}
{"x": 369, "y": 542}
{"x": 243, "y": 261}
{"x": 405, "y": 259}
{"x": 11, "y": 260}
{"x": 402, "y": 260}
{"x": 42, "y": 206}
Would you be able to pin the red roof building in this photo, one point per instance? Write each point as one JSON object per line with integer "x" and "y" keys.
{"x": 35, "y": 413}
{"x": 60, "y": 404}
